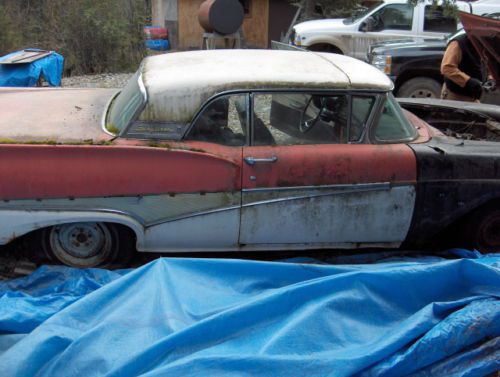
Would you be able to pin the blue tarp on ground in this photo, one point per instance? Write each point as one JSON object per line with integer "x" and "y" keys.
{"x": 200, "y": 317}
{"x": 27, "y": 74}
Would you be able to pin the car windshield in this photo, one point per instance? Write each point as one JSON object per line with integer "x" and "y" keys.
{"x": 362, "y": 13}
{"x": 126, "y": 105}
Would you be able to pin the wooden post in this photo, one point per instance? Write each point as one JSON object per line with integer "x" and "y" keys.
{"x": 172, "y": 22}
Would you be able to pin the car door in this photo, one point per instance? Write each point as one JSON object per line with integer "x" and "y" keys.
{"x": 394, "y": 21}
{"x": 310, "y": 179}
{"x": 206, "y": 164}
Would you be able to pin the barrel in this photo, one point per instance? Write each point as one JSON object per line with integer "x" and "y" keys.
{"x": 155, "y": 32}
{"x": 157, "y": 44}
{"x": 221, "y": 16}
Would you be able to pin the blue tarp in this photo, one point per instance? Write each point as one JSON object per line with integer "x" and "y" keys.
{"x": 201, "y": 317}
{"x": 27, "y": 74}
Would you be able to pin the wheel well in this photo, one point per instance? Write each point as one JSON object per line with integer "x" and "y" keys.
{"x": 325, "y": 47}
{"x": 401, "y": 79}
{"x": 31, "y": 241}
{"x": 455, "y": 233}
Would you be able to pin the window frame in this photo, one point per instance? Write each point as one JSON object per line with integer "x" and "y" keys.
{"x": 373, "y": 129}
{"x": 431, "y": 7}
{"x": 412, "y": 20}
{"x": 365, "y": 138}
{"x": 211, "y": 100}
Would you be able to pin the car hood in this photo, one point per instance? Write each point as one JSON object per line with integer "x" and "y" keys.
{"x": 53, "y": 114}
{"x": 321, "y": 25}
{"x": 484, "y": 33}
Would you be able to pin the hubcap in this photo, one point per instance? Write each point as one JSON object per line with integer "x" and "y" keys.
{"x": 81, "y": 244}
{"x": 422, "y": 93}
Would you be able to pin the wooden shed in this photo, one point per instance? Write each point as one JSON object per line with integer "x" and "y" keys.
{"x": 265, "y": 20}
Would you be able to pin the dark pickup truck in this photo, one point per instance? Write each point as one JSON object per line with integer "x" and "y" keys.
{"x": 414, "y": 67}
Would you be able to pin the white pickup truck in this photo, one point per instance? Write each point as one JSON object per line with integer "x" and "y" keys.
{"x": 386, "y": 19}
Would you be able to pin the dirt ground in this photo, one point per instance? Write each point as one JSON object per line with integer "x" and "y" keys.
{"x": 104, "y": 80}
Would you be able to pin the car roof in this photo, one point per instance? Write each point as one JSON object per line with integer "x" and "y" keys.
{"x": 178, "y": 84}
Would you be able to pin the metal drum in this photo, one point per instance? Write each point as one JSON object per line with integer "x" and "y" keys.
{"x": 221, "y": 16}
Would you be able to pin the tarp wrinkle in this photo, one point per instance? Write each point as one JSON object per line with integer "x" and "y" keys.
{"x": 202, "y": 317}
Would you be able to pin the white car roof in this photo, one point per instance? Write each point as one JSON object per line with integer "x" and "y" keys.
{"x": 179, "y": 83}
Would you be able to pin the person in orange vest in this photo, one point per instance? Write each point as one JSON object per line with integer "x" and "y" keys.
{"x": 463, "y": 71}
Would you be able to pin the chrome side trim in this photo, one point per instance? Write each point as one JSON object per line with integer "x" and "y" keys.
{"x": 194, "y": 214}
{"x": 138, "y": 219}
{"x": 318, "y": 195}
{"x": 339, "y": 190}
{"x": 359, "y": 186}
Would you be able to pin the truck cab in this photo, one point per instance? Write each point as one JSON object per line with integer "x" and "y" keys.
{"x": 385, "y": 20}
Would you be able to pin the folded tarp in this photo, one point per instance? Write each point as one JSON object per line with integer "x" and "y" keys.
{"x": 201, "y": 317}
{"x": 50, "y": 67}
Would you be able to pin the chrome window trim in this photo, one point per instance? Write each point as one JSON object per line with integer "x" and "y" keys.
{"x": 373, "y": 129}
{"x": 104, "y": 116}
{"x": 335, "y": 91}
{"x": 144, "y": 93}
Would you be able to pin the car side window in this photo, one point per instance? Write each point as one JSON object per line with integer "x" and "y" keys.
{"x": 223, "y": 121}
{"x": 299, "y": 118}
{"x": 392, "y": 126}
{"x": 394, "y": 17}
{"x": 435, "y": 20}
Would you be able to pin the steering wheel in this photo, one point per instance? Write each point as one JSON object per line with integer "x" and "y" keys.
{"x": 306, "y": 125}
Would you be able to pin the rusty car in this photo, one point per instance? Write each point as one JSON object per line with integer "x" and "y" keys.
{"x": 236, "y": 150}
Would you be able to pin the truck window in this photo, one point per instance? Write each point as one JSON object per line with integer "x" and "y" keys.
{"x": 394, "y": 16}
{"x": 436, "y": 21}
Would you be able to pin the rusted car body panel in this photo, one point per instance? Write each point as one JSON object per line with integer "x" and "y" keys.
{"x": 451, "y": 182}
{"x": 53, "y": 115}
{"x": 67, "y": 171}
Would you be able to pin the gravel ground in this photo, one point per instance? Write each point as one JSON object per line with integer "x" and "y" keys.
{"x": 104, "y": 80}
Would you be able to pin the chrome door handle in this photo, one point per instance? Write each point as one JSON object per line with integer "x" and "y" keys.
{"x": 253, "y": 160}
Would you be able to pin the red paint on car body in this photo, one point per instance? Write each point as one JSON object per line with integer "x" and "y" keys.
{"x": 315, "y": 165}
{"x": 54, "y": 171}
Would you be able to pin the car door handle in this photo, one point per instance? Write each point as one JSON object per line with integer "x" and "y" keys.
{"x": 253, "y": 160}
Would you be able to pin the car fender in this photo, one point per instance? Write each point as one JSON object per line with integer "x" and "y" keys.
{"x": 15, "y": 223}
{"x": 336, "y": 41}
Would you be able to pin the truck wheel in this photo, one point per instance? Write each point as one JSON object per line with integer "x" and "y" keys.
{"x": 483, "y": 229}
{"x": 325, "y": 47}
{"x": 420, "y": 87}
{"x": 88, "y": 244}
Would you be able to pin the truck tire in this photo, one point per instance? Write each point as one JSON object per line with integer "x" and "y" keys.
{"x": 420, "y": 87}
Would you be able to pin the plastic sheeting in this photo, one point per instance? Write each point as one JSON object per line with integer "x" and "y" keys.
{"x": 200, "y": 317}
{"x": 27, "y": 74}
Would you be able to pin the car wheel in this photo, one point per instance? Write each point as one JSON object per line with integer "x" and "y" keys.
{"x": 420, "y": 87}
{"x": 88, "y": 244}
{"x": 483, "y": 230}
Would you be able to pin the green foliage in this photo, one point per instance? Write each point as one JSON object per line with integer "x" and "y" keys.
{"x": 93, "y": 35}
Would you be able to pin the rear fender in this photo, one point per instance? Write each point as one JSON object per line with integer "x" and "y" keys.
{"x": 16, "y": 223}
